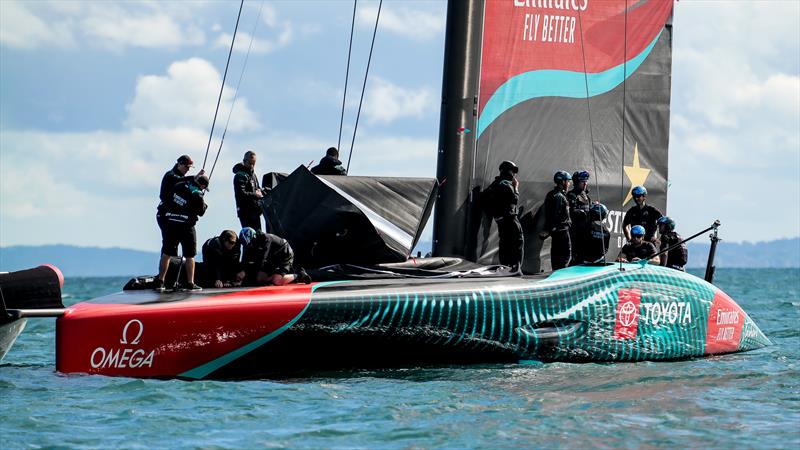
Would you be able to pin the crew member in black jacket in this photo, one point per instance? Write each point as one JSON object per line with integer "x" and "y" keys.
{"x": 329, "y": 164}
{"x": 180, "y": 216}
{"x": 500, "y": 200}
{"x": 678, "y": 256}
{"x": 597, "y": 237}
{"x": 173, "y": 176}
{"x": 247, "y": 192}
{"x": 641, "y": 214}
{"x": 268, "y": 259}
{"x": 557, "y": 222}
{"x": 579, "y": 204}
{"x": 221, "y": 260}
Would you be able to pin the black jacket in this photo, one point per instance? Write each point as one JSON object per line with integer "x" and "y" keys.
{"x": 556, "y": 211}
{"x": 646, "y": 217}
{"x": 644, "y": 251}
{"x": 678, "y": 256}
{"x": 245, "y": 185}
{"x": 500, "y": 199}
{"x": 266, "y": 252}
{"x": 186, "y": 204}
{"x": 595, "y": 242}
{"x": 329, "y": 166}
{"x": 220, "y": 263}
{"x": 168, "y": 182}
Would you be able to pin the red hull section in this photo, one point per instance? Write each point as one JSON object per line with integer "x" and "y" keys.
{"x": 171, "y": 339}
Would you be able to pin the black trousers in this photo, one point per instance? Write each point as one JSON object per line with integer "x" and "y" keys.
{"x": 253, "y": 221}
{"x": 509, "y": 231}
{"x": 560, "y": 249}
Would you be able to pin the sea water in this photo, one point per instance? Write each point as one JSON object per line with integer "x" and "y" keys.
{"x": 736, "y": 401}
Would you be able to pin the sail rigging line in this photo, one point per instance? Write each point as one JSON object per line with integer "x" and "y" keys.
{"x": 589, "y": 113}
{"x": 347, "y": 73}
{"x": 222, "y": 87}
{"x": 624, "y": 104}
{"x": 238, "y": 84}
{"x": 364, "y": 86}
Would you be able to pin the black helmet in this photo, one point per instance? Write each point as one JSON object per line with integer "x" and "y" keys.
{"x": 598, "y": 211}
{"x": 508, "y": 166}
{"x": 580, "y": 175}
{"x": 560, "y": 176}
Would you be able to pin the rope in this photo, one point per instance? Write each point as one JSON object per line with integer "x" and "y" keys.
{"x": 347, "y": 73}
{"x": 589, "y": 112}
{"x": 364, "y": 86}
{"x": 221, "y": 88}
{"x": 624, "y": 79}
{"x": 236, "y": 94}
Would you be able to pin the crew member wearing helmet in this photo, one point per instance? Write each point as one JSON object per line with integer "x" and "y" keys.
{"x": 597, "y": 235}
{"x": 641, "y": 214}
{"x": 268, "y": 259}
{"x": 221, "y": 260}
{"x": 180, "y": 216}
{"x": 638, "y": 249}
{"x": 500, "y": 201}
{"x": 557, "y": 222}
{"x": 173, "y": 176}
{"x": 678, "y": 256}
{"x": 579, "y": 203}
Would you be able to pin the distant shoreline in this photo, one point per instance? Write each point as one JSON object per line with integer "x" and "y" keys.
{"x": 75, "y": 261}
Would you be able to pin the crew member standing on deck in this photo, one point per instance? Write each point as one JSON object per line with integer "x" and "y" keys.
{"x": 501, "y": 199}
{"x": 329, "y": 164}
{"x": 678, "y": 256}
{"x": 579, "y": 203}
{"x": 597, "y": 235}
{"x": 180, "y": 216}
{"x": 557, "y": 222}
{"x": 247, "y": 192}
{"x": 641, "y": 214}
{"x": 173, "y": 176}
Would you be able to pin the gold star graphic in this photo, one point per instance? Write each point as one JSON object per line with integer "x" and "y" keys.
{"x": 635, "y": 173}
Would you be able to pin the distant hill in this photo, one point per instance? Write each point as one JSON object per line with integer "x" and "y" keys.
{"x": 80, "y": 261}
{"x": 92, "y": 261}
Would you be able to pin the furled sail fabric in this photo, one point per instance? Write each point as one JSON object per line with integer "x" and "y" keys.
{"x": 540, "y": 60}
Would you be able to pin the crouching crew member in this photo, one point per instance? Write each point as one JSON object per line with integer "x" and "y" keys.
{"x": 641, "y": 214}
{"x": 329, "y": 164}
{"x": 597, "y": 235}
{"x": 638, "y": 249}
{"x": 221, "y": 260}
{"x": 268, "y": 259}
{"x": 180, "y": 216}
{"x": 678, "y": 256}
{"x": 557, "y": 222}
{"x": 247, "y": 192}
{"x": 579, "y": 203}
{"x": 501, "y": 199}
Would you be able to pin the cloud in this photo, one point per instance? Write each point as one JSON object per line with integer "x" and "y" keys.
{"x": 386, "y": 102}
{"x": 186, "y": 97}
{"x": 116, "y": 28}
{"x": 409, "y": 23}
{"x": 282, "y": 31}
{"x": 21, "y": 29}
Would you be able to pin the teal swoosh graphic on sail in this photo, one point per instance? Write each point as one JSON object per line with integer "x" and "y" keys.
{"x": 556, "y": 83}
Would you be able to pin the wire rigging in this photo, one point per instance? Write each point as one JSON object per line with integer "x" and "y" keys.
{"x": 347, "y": 73}
{"x": 589, "y": 112}
{"x": 624, "y": 105}
{"x": 364, "y": 86}
{"x": 222, "y": 87}
{"x": 238, "y": 84}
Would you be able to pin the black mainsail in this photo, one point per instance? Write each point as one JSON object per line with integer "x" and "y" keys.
{"x": 572, "y": 85}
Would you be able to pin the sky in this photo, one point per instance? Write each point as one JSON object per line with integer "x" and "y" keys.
{"x": 98, "y": 99}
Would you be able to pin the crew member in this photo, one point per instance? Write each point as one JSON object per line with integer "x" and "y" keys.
{"x": 172, "y": 177}
{"x": 678, "y": 256}
{"x": 597, "y": 235}
{"x": 329, "y": 164}
{"x": 641, "y": 214}
{"x": 638, "y": 249}
{"x": 501, "y": 201}
{"x": 268, "y": 260}
{"x": 579, "y": 203}
{"x": 221, "y": 260}
{"x": 557, "y": 222}
{"x": 180, "y": 216}
{"x": 247, "y": 192}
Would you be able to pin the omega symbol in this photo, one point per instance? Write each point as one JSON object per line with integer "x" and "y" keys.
{"x": 135, "y": 341}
